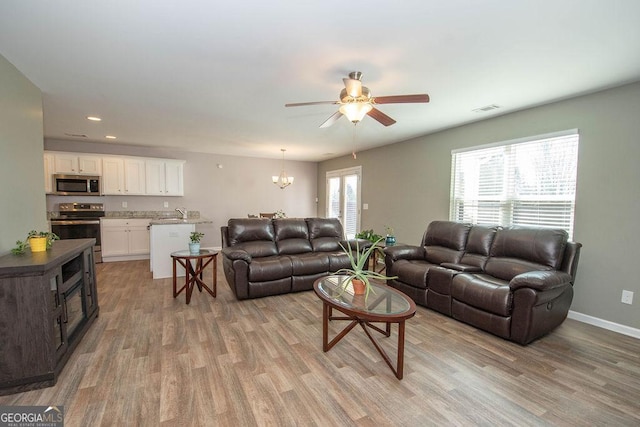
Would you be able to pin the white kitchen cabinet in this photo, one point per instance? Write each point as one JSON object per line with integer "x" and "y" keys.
{"x": 134, "y": 176}
{"x": 164, "y": 177}
{"x": 49, "y": 167}
{"x": 123, "y": 176}
{"x": 113, "y": 176}
{"x": 124, "y": 239}
{"x": 72, "y": 163}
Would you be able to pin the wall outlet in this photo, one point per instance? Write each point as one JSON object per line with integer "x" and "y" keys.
{"x": 166, "y": 204}
{"x": 627, "y": 297}
{"x": 124, "y": 204}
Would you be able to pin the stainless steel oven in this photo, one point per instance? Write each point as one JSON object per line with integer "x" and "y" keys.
{"x": 79, "y": 221}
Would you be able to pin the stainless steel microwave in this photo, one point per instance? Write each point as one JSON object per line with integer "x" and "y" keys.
{"x": 76, "y": 185}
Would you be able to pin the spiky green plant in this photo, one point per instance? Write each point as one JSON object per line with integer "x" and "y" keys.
{"x": 358, "y": 268}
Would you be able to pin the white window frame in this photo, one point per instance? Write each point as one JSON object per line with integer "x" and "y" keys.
{"x": 465, "y": 202}
{"x": 341, "y": 173}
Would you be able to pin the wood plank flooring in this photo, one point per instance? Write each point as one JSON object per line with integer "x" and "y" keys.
{"x": 152, "y": 360}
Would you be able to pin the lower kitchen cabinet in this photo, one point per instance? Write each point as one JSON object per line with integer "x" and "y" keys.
{"x": 48, "y": 301}
{"x": 124, "y": 239}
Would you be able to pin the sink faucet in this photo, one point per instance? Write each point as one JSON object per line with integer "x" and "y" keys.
{"x": 183, "y": 211}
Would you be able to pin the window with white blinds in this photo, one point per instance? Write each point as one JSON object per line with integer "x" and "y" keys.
{"x": 531, "y": 182}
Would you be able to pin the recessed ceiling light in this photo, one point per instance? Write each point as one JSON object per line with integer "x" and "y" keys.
{"x": 94, "y": 118}
{"x": 110, "y": 137}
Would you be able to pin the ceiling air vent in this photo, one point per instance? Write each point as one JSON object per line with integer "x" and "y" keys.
{"x": 76, "y": 135}
{"x": 486, "y": 108}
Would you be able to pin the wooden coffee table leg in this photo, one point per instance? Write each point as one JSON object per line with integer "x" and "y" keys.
{"x": 400, "y": 363}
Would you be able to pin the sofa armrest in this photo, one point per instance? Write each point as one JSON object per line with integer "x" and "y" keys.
{"x": 236, "y": 254}
{"x": 461, "y": 267}
{"x": 405, "y": 252}
{"x": 540, "y": 280}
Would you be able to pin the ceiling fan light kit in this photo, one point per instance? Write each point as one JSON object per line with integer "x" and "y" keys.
{"x": 356, "y": 102}
{"x": 355, "y": 111}
{"x": 282, "y": 180}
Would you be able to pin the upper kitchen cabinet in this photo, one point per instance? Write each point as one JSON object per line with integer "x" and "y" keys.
{"x": 49, "y": 166}
{"x": 123, "y": 176}
{"x": 77, "y": 164}
{"x": 164, "y": 177}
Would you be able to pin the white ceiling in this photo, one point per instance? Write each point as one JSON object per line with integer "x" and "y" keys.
{"x": 211, "y": 76}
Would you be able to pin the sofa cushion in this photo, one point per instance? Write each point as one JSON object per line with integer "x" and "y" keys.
{"x": 444, "y": 241}
{"x": 519, "y": 250}
{"x": 309, "y": 263}
{"x": 291, "y": 235}
{"x": 484, "y": 292}
{"x": 270, "y": 268}
{"x": 325, "y": 234}
{"x": 478, "y": 246}
{"x": 412, "y": 272}
{"x": 256, "y": 236}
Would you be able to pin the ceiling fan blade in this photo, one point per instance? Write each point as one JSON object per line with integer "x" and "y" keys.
{"x": 353, "y": 86}
{"x": 401, "y": 99}
{"x": 302, "y": 104}
{"x": 331, "y": 120}
{"x": 381, "y": 117}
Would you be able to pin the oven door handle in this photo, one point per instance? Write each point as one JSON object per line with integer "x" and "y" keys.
{"x": 76, "y": 222}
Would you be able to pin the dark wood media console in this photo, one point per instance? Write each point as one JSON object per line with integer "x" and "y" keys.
{"x": 48, "y": 300}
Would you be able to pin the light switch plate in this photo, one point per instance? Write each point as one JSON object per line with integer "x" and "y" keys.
{"x": 166, "y": 204}
{"x": 124, "y": 204}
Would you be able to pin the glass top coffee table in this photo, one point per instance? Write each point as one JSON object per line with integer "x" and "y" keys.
{"x": 383, "y": 305}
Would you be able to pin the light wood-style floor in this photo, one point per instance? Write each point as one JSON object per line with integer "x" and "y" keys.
{"x": 152, "y": 360}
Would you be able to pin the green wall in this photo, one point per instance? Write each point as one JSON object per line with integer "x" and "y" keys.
{"x": 22, "y": 206}
{"x": 407, "y": 185}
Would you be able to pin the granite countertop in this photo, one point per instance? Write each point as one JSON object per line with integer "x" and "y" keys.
{"x": 174, "y": 221}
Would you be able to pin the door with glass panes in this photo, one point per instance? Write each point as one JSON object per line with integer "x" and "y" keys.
{"x": 343, "y": 198}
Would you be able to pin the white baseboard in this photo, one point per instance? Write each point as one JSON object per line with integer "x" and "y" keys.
{"x": 605, "y": 324}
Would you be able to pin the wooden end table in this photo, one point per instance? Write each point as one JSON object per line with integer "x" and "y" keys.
{"x": 194, "y": 271}
{"x": 384, "y": 305}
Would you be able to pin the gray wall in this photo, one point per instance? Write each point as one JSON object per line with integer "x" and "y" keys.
{"x": 22, "y": 200}
{"x": 407, "y": 185}
{"x": 242, "y": 186}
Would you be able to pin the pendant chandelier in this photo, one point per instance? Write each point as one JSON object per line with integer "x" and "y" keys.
{"x": 282, "y": 180}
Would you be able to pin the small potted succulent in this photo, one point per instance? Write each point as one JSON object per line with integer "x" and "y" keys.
{"x": 390, "y": 239}
{"x": 194, "y": 244}
{"x": 358, "y": 275}
{"x": 38, "y": 241}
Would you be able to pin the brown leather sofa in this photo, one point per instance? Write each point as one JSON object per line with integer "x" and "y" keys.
{"x": 263, "y": 257}
{"x": 516, "y": 283}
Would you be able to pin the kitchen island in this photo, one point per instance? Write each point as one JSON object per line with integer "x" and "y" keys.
{"x": 170, "y": 235}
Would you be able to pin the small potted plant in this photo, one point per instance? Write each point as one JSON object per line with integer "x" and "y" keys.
{"x": 194, "y": 244}
{"x": 369, "y": 235}
{"x": 38, "y": 241}
{"x": 358, "y": 275}
{"x": 390, "y": 239}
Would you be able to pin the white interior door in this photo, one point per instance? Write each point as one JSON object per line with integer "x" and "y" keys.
{"x": 343, "y": 198}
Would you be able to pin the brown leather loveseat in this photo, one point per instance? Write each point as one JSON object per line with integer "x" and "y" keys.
{"x": 513, "y": 282}
{"x": 263, "y": 257}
